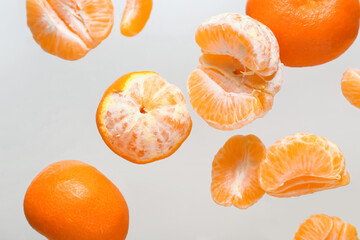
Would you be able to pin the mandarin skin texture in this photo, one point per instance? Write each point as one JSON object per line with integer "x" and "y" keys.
{"x": 309, "y": 32}
{"x": 73, "y": 200}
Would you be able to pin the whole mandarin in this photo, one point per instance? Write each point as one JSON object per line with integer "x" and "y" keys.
{"x": 309, "y": 32}
{"x": 73, "y": 200}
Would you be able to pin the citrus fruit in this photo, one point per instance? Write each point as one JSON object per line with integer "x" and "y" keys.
{"x": 69, "y": 29}
{"x": 350, "y": 86}
{"x": 321, "y": 226}
{"x": 240, "y": 71}
{"x": 73, "y": 200}
{"x": 135, "y": 16}
{"x": 300, "y": 164}
{"x": 309, "y": 32}
{"x": 235, "y": 172}
{"x": 143, "y": 118}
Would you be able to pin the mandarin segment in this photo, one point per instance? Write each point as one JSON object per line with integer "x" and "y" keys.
{"x": 300, "y": 164}
{"x": 337, "y": 228}
{"x": 315, "y": 228}
{"x": 69, "y": 29}
{"x": 250, "y": 42}
{"x": 309, "y": 32}
{"x": 135, "y": 16}
{"x": 240, "y": 71}
{"x": 235, "y": 172}
{"x": 73, "y": 200}
{"x": 350, "y": 86}
{"x": 321, "y": 226}
{"x": 348, "y": 232}
{"x": 143, "y": 118}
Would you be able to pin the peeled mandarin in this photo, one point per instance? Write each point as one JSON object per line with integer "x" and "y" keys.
{"x": 143, "y": 118}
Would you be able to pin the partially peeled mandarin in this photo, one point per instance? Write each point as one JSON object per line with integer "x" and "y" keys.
{"x": 239, "y": 72}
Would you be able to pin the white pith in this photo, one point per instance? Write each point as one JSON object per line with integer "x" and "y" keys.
{"x": 147, "y": 135}
{"x": 65, "y": 27}
{"x": 210, "y": 98}
{"x": 260, "y": 37}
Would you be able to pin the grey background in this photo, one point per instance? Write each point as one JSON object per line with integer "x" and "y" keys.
{"x": 48, "y": 114}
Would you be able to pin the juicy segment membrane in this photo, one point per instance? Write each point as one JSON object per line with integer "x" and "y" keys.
{"x": 69, "y": 29}
{"x": 240, "y": 71}
{"x": 143, "y": 118}
{"x": 230, "y": 103}
{"x": 235, "y": 172}
{"x": 350, "y": 86}
{"x": 321, "y": 226}
{"x": 300, "y": 164}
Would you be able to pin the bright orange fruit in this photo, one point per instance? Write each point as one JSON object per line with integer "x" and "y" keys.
{"x": 300, "y": 164}
{"x": 350, "y": 86}
{"x": 135, "y": 16}
{"x": 143, "y": 118}
{"x": 321, "y": 226}
{"x": 73, "y": 200}
{"x": 69, "y": 29}
{"x": 235, "y": 179}
{"x": 310, "y": 32}
{"x": 240, "y": 71}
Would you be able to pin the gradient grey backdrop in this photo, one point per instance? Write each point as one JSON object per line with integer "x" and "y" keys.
{"x": 48, "y": 114}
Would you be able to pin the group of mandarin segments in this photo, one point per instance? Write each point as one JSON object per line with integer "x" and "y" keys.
{"x": 143, "y": 118}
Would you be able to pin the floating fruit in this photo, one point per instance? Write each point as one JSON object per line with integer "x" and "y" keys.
{"x": 135, "y": 16}
{"x": 350, "y": 86}
{"x": 69, "y": 29}
{"x": 73, "y": 200}
{"x": 235, "y": 178}
{"x": 143, "y": 118}
{"x": 321, "y": 226}
{"x": 310, "y": 32}
{"x": 300, "y": 164}
{"x": 240, "y": 71}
